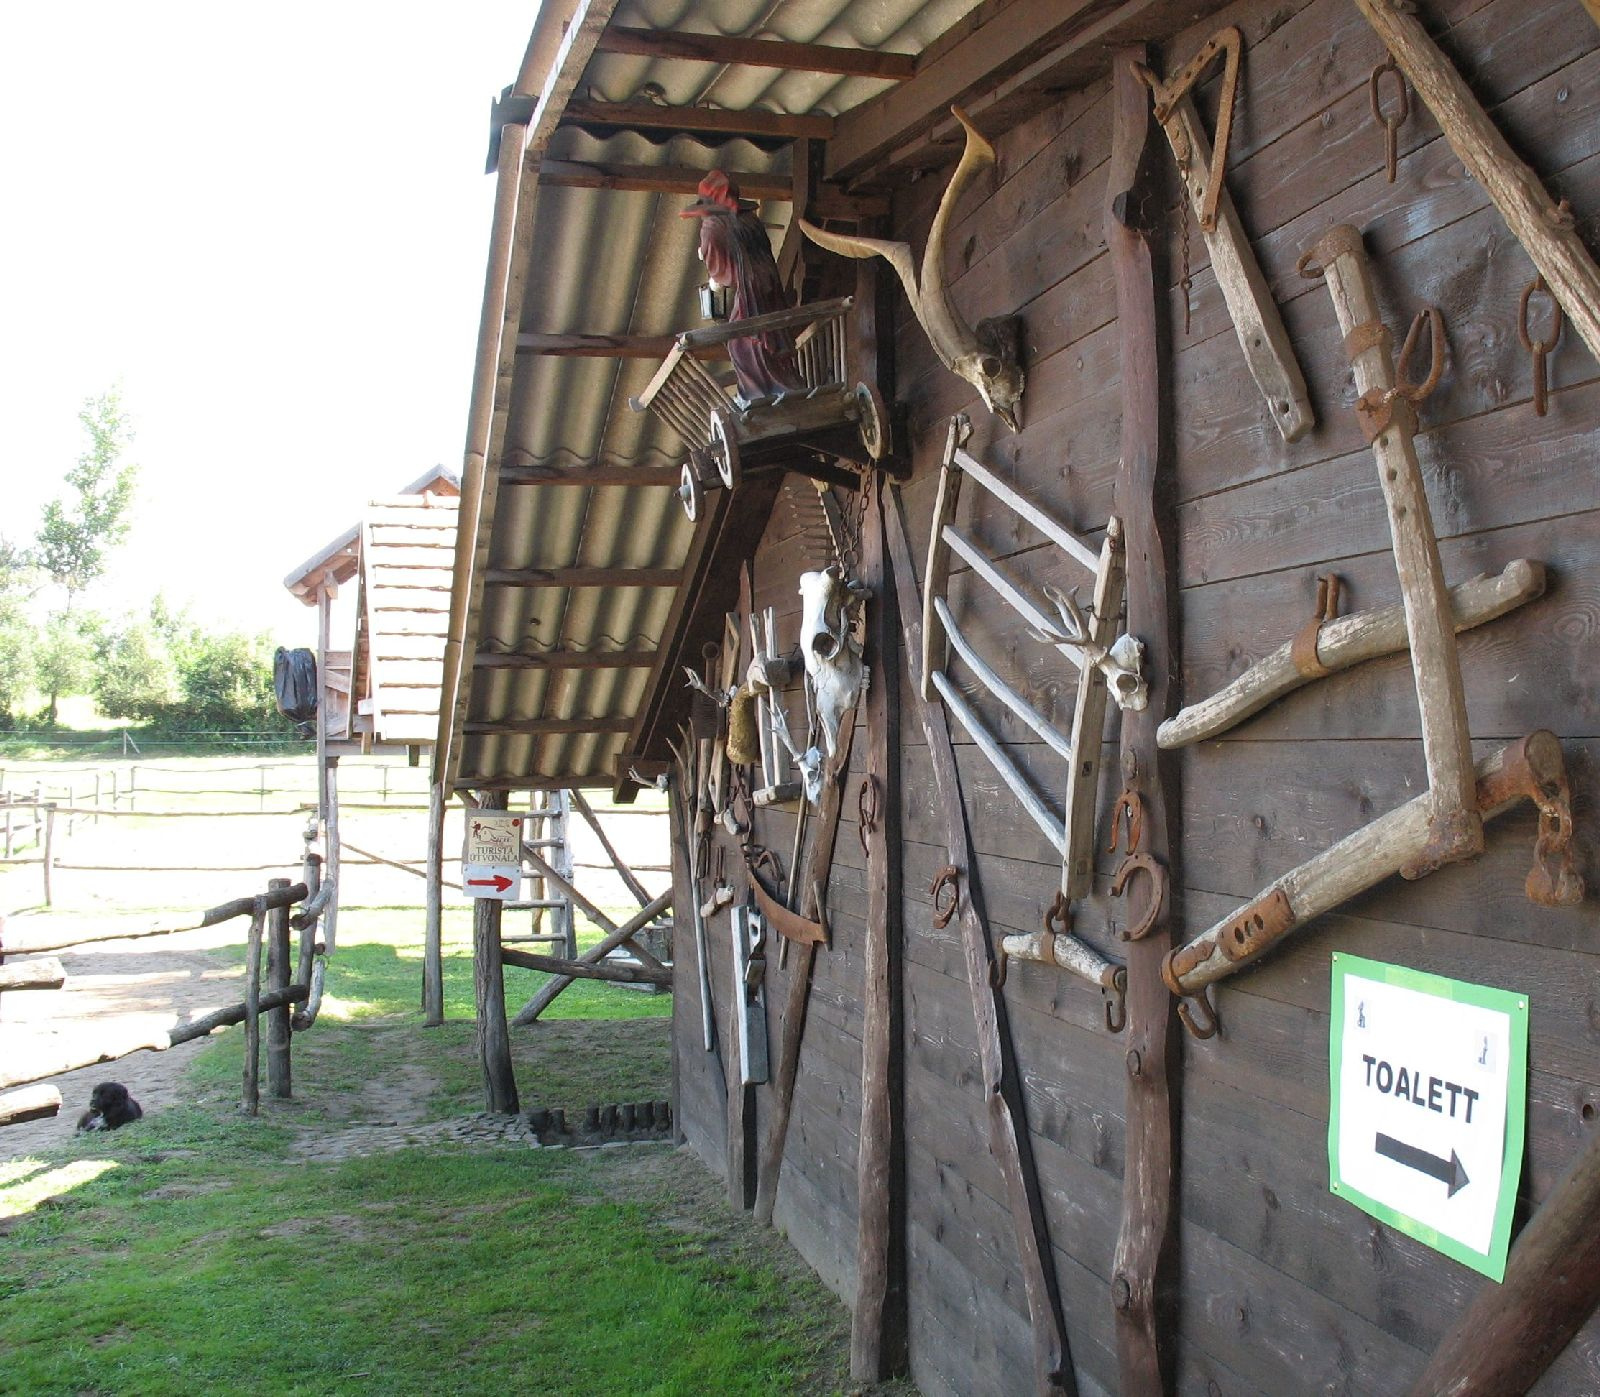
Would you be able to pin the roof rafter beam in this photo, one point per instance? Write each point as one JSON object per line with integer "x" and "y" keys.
{"x": 584, "y": 345}
{"x": 539, "y": 726}
{"x": 654, "y": 179}
{"x": 646, "y": 116}
{"x": 534, "y": 781}
{"x": 592, "y": 475}
{"x": 1001, "y": 64}
{"x": 565, "y": 659}
{"x": 581, "y": 577}
{"x": 758, "y": 53}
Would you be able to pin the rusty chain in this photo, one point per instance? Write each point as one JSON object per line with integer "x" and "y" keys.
{"x": 1391, "y": 124}
{"x": 1539, "y": 348}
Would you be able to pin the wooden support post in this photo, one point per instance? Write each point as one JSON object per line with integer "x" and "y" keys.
{"x": 279, "y": 1076}
{"x": 1512, "y": 1332}
{"x": 1143, "y": 1242}
{"x": 330, "y": 918}
{"x": 311, "y": 877}
{"x": 879, "y": 1320}
{"x": 489, "y": 987}
{"x": 49, "y": 850}
{"x": 433, "y": 917}
{"x": 791, "y": 1028}
{"x": 252, "y": 1011}
{"x": 1002, "y": 1090}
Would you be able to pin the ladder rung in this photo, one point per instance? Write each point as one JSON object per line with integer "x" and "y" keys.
{"x": 537, "y": 903}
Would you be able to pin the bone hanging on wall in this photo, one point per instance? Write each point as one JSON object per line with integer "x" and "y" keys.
{"x": 989, "y": 357}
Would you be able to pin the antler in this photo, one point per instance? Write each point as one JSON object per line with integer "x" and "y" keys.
{"x": 996, "y": 375}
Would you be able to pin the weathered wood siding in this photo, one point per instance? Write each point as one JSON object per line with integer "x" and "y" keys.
{"x": 1283, "y": 1288}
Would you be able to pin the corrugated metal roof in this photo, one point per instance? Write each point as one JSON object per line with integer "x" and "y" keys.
{"x": 621, "y": 263}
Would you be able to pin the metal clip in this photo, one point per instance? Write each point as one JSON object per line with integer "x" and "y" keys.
{"x": 1303, "y": 648}
{"x": 1114, "y": 1000}
{"x": 1391, "y": 124}
{"x": 947, "y": 878}
{"x": 1541, "y": 347}
{"x": 1198, "y": 1007}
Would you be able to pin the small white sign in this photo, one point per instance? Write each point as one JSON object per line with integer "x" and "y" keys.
{"x": 491, "y": 860}
{"x": 1429, "y": 1086}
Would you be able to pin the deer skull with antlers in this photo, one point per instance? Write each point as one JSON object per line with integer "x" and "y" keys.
{"x": 1122, "y": 662}
{"x": 989, "y": 357}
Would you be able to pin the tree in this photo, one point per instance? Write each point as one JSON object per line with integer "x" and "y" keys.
{"x": 135, "y": 677}
{"x": 75, "y": 536}
{"x": 16, "y": 657}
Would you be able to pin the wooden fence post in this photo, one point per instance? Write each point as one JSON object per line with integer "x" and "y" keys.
{"x": 432, "y": 934}
{"x": 278, "y": 1067}
{"x": 49, "y": 850}
{"x": 252, "y": 1009}
{"x": 489, "y": 987}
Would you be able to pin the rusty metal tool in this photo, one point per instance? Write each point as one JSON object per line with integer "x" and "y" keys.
{"x": 788, "y": 924}
{"x": 1268, "y": 350}
{"x": 1539, "y": 348}
{"x": 1391, "y": 124}
{"x": 1387, "y": 411}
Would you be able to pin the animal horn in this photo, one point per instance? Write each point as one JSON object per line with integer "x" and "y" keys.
{"x": 952, "y": 337}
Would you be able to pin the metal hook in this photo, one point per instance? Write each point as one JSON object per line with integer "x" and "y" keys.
{"x": 1541, "y": 347}
{"x": 868, "y": 801}
{"x": 1416, "y": 392}
{"x": 1391, "y": 124}
{"x": 1129, "y": 803}
{"x": 1114, "y": 1000}
{"x": 1187, "y": 1007}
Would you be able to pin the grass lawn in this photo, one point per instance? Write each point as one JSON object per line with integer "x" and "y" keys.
{"x": 200, "y": 1250}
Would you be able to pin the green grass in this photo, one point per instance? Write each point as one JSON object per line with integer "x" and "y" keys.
{"x": 205, "y": 1258}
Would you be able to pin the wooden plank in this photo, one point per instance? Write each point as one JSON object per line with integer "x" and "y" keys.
{"x": 566, "y": 659}
{"x": 734, "y": 49}
{"x": 548, "y": 725}
{"x": 44, "y": 973}
{"x": 644, "y": 116}
{"x": 1146, "y": 1232}
{"x": 595, "y": 346}
{"x": 1009, "y": 1137}
{"x": 592, "y": 475}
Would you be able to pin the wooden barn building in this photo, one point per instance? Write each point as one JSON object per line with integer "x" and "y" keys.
{"x": 1137, "y": 792}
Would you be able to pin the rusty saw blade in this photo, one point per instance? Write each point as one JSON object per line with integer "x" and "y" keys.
{"x": 790, "y": 925}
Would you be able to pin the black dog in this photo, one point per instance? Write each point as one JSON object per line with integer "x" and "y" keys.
{"x": 109, "y": 1107}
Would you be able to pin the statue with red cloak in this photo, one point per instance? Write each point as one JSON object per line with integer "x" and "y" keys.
{"x": 738, "y": 254}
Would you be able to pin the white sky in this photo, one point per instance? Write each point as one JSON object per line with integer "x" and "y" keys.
{"x": 268, "y": 224}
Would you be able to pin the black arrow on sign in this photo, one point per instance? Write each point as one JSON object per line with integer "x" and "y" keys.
{"x": 1447, "y": 1171}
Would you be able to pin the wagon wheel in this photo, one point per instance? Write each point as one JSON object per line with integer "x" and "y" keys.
{"x": 691, "y": 492}
{"x": 872, "y": 421}
{"x": 725, "y": 448}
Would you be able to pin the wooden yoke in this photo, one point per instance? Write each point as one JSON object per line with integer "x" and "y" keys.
{"x": 1389, "y": 420}
{"x": 1147, "y": 1181}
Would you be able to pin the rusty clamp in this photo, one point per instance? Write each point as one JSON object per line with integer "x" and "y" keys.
{"x": 1303, "y": 648}
{"x": 1227, "y": 43}
{"x": 1377, "y": 407}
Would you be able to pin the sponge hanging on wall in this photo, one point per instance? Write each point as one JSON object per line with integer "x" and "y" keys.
{"x": 744, "y": 736}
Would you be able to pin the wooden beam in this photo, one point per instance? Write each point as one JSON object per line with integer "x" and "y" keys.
{"x": 565, "y": 659}
{"x": 42, "y": 974}
{"x": 1512, "y": 1332}
{"x": 581, "y": 577}
{"x": 1009, "y": 1140}
{"x": 655, "y": 179}
{"x": 489, "y": 992}
{"x": 592, "y": 475}
{"x": 645, "y": 116}
{"x": 1144, "y": 1241}
{"x": 30, "y": 1104}
{"x": 586, "y": 346}
{"x": 586, "y": 970}
{"x": 548, "y": 725}
{"x": 1001, "y": 63}
{"x": 878, "y": 1322}
{"x": 531, "y": 781}
{"x": 614, "y": 938}
{"x": 759, "y": 53}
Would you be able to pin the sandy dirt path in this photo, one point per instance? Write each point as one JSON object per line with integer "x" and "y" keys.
{"x": 143, "y": 984}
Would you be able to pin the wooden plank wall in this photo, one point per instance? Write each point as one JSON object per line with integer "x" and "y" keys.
{"x": 1283, "y": 1288}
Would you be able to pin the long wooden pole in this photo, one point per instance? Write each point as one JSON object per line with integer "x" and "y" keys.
{"x": 489, "y": 990}
{"x": 1143, "y": 1242}
{"x": 252, "y": 1011}
{"x": 624, "y": 933}
{"x": 1512, "y": 1332}
{"x": 1002, "y": 1090}
{"x": 640, "y": 892}
{"x": 878, "y": 1320}
{"x": 279, "y": 1078}
{"x": 1548, "y": 235}
{"x": 433, "y": 916}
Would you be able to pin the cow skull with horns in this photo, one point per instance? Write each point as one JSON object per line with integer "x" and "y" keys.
{"x": 989, "y": 357}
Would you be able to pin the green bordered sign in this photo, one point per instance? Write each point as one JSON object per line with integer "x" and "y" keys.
{"x": 1428, "y": 1105}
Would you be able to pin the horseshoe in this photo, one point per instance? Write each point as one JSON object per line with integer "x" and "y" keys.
{"x": 1156, "y": 870}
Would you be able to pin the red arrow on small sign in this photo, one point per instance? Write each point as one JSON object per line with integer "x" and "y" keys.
{"x": 499, "y": 882}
